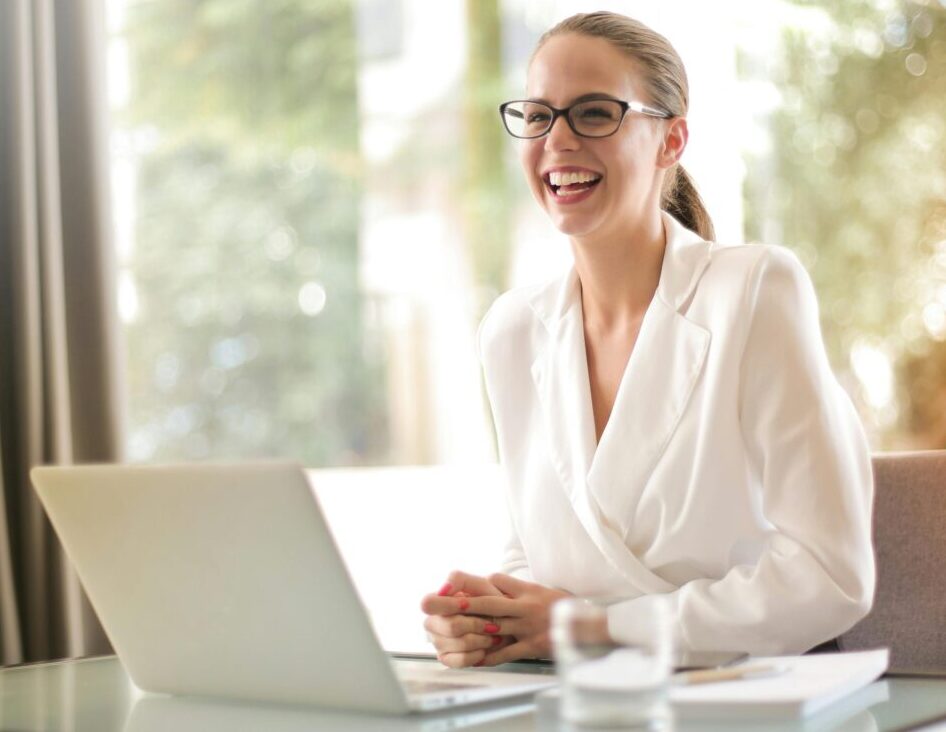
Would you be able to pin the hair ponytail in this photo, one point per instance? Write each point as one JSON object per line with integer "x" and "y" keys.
{"x": 681, "y": 200}
{"x": 666, "y": 82}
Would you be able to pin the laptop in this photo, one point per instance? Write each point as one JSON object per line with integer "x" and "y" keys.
{"x": 223, "y": 580}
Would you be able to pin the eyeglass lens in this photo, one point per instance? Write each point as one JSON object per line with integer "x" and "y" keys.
{"x": 597, "y": 118}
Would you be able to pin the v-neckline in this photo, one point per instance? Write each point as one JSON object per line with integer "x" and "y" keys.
{"x": 588, "y": 402}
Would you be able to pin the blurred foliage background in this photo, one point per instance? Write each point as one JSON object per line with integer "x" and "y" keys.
{"x": 857, "y": 186}
{"x": 249, "y": 330}
{"x": 250, "y": 337}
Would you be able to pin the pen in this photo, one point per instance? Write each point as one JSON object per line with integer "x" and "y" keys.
{"x": 738, "y": 673}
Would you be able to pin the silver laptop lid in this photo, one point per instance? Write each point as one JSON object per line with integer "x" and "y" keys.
{"x": 220, "y": 580}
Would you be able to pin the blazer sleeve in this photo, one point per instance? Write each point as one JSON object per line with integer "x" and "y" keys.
{"x": 806, "y": 447}
{"x": 514, "y": 558}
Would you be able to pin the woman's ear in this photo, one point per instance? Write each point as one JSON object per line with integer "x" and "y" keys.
{"x": 674, "y": 142}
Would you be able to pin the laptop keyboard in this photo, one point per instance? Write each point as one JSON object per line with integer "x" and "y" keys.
{"x": 416, "y": 686}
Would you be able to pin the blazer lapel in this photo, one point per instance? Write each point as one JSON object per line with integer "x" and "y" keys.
{"x": 664, "y": 367}
{"x": 560, "y": 373}
{"x": 603, "y": 485}
{"x": 658, "y": 381}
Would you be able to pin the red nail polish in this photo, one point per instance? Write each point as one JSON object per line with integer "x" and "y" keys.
{"x": 464, "y": 604}
{"x": 445, "y": 590}
{"x": 491, "y": 628}
{"x": 497, "y": 639}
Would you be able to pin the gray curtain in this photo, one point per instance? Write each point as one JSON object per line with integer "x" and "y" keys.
{"x": 60, "y": 381}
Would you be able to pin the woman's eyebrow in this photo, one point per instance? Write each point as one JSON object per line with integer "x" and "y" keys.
{"x": 583, "y": 98}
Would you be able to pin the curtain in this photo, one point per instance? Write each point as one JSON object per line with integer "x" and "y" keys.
{"x": 60, "y": 381}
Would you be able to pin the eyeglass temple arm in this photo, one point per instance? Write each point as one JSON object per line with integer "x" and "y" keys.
{"x": 649, "y": 111}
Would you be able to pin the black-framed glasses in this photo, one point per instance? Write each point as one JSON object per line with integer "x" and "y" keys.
{"x": 527, "y": 119}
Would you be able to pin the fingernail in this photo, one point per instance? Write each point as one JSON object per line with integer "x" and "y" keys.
{"x": 497, "y": 639}
{"x": 491, "y": 628}
{"x": 445, "y": 590}
{"x": 480, "y": 662}
{"x": 464, "y": 604}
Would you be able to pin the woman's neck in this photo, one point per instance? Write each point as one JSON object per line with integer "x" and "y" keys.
{"x": 619, "y": 273}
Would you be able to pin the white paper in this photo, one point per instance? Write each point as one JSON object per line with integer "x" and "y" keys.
{"x": 811, "y": 683}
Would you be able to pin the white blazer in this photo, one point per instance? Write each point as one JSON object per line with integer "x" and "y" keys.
{"x": 733, "y": 475}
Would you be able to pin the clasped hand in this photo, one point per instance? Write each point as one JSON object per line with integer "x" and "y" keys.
{"x": 486, "y": 621}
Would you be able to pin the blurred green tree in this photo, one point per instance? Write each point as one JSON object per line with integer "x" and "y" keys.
{"x": 858, "y": 188}
{"x": 250, "y": 337}
{"x": 485, "y": 186}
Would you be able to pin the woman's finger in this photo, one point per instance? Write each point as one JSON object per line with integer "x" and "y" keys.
{"x": 455, "y": 626}
{"x": 500, "y": 641}
{"x": 470, "y": 584}
{"x": 494, "y": 606}
{"x": 461, "y": 660}
{"x": 508, "y": 626}
{"x": 512, "y": 652}
{"x": 466, "y": 643}
{"x": 439, "y": 605}
{"x": 509, "y": 585}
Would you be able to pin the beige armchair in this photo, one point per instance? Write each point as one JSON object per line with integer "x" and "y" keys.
{"x": 909, "y": 612}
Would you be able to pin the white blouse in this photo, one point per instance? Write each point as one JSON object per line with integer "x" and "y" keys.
{"x": 733, "y": 475}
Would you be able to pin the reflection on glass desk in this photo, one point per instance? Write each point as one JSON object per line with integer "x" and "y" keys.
{"x": 96, "y": 694}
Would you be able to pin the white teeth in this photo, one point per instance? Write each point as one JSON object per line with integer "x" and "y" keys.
{"x": 557, "y": 178}
{"x": 564, "y": 194}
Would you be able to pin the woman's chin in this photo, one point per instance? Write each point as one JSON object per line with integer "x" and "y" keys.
{"x": 572, "y": 225}
{"x": 574, "y": 220}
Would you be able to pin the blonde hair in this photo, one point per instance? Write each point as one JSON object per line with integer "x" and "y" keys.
{"x": 666, "y": 82}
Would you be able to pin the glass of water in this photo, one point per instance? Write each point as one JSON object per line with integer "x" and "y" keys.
{"x": 607, "y": 682}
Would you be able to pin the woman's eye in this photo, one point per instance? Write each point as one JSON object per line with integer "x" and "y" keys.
{"x": 593, "y": 113}
{"x": 537, "y": 117}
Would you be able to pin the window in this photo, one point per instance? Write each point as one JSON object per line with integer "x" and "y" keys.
{"x": 315, "y": 203}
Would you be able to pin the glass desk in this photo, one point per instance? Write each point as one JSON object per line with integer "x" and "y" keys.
{"x": 96, "y": 694}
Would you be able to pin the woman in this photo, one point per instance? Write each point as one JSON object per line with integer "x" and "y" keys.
{"x": 667, "y": 419}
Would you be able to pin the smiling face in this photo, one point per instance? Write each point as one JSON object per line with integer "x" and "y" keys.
{"x": 594, "y": 188}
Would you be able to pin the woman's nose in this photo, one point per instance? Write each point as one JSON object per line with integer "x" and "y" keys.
{"x": 561, "y": 136}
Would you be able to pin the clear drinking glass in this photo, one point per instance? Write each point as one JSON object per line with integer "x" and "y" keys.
{"x": 606, "y": 682}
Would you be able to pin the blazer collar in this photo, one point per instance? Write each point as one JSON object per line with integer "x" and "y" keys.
{"x": 685, "y": 258}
